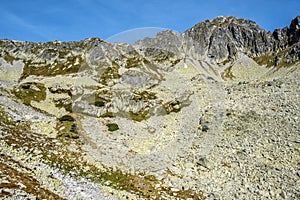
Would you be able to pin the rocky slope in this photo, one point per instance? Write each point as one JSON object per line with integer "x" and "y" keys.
{"x": 208, "y": 114}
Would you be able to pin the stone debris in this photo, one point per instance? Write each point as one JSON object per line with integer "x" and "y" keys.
{"x": 212, "y": 113}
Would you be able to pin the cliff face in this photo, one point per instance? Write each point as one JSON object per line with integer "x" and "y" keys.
{"x": 174, "y": 116}
{"x": 288, "y": 36}
{"x": 224, "y": 38}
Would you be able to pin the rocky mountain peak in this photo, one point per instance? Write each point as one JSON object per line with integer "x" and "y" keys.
{"x": 294, "y": 31}
{"x": 295, "y": 24}
{"x": 288, "y": 35}
{"x": 225, "y": 38}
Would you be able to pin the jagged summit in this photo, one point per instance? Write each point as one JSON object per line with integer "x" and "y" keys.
{"x": 225, "y": 20}
{"x": 224, "y": 38}
{"x": 288, "y": 35}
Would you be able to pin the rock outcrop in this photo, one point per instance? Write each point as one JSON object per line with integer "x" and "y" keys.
{"x": 224, "y": 38}
{"x": 209, "y": 113}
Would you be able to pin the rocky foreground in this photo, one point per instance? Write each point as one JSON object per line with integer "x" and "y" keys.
{"x": 212, "y": 113}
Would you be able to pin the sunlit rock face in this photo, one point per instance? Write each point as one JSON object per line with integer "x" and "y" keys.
{"x": 207, "y": 113}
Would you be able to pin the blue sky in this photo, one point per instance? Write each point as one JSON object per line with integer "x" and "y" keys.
{"x": 72, "y": 20}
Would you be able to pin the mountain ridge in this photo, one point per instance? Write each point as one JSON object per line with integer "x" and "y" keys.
{"x": 207, "y": 114}
{"x": 221, "y": 40}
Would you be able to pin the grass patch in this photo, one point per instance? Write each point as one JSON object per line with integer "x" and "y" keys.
{"x": 67, "y": 127}
{"x": 143, "y": 96}
{"x": 66, "y": 118}
{"x": 228, "y": 73}
{"x": 99, "y": 103}
{"x": 59, "y": 67}
{"x": 112, "y": 126}
{"x": 139, "y": 116}
{"x": 108, "y": 115}
{"x": 279, "y": 59}
{"x": 30, "y": 91}
{"x": 109, "y": 74}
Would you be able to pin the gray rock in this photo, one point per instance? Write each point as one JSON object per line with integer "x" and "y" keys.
{"x": 224, "y": 38}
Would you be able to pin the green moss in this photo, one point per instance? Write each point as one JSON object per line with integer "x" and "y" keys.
{"x": 18, "y": 177}
{"x": 112, "y": 126}
{"x": 99, "y": 98}
{"x": 71, "y": 162}
{"x": 5, "y": 119}
{"x": 66, "y": 118}
{"x": 99, "y": 103}
{"x": 108, "y": 114}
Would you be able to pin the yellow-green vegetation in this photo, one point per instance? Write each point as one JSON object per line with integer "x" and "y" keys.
{"x": 226, "y": 61}
{"x": 139, "y": 116}
{"x": 5, "y": 119}
{"x": 71, "y": 162}
{"x": 109, "y": 74}
{"x": 15, "y": 179}
{"x": 100, "y": 103}
{"x": 64, "y": 103}
{"x": 98, "y": 99}
{"x": 5, "y": 54}
{"x": 227, "y": 74}
{"x": 112, "y": 126}
{"x": 47, "y": 59}
{"x": 8, "y": 58}
{"x": 59, "y": 67}
{"x": 142, "y": 114}
{"x": 134, "y": 62}
{"x": 108, "y": 115}
{"x": 67, "y": 118}
{"x": 267, "y": 60}
{"x": 67, "y": 127}
{"x": 30, "y": 91}
{"x": 143, "y": 95}
{"x": 172, "y": 106}
{"x": 278, "y": 60}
